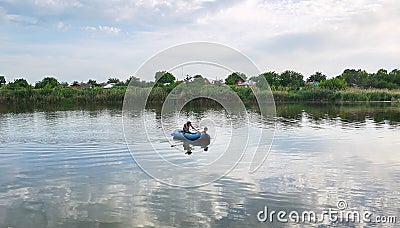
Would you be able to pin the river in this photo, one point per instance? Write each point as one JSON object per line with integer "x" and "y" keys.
{"x": 73, "y": 168}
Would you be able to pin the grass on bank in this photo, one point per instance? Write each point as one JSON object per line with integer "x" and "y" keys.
{"x": 116, "y": 95}
{"x": 320, "y": 95}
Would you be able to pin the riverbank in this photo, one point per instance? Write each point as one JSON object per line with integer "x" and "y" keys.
{"x": 319, "y": 95}
{"x": 115, "y": 95}
{"x": 63, "y": 96}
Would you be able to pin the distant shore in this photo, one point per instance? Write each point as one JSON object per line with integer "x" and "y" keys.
{"x": 115, "y": 95}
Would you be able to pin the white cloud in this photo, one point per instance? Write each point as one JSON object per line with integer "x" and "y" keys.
{"x": 68, "y": 62}
{"x": 57, "y": 4}
{"x": 303, "y": 35}
{"x": 109, "y": 29}
{"x": 90, "y": 29}
{"x": 267, "y": 19}
{"x": 104, "y": 29}
{"x": 20, "y": 19}
{"x": 62, "y": 26}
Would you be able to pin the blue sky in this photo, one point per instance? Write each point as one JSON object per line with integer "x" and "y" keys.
{"x": 93, "y": 39}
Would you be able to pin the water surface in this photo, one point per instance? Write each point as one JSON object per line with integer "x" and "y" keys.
{"x": 72, "y": 168}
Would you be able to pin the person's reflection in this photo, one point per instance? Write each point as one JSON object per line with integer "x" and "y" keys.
{"x": 187, "y": 148}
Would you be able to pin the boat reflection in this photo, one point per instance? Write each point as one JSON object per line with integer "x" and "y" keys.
{"x": 190, "y": 145}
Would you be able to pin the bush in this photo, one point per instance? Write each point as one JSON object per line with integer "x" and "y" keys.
{"x": 49, "y": 82}
{"x": 334, "y": 84}
{"x": 19, "y": 84}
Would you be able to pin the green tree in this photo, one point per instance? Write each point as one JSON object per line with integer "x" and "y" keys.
{"x": 395, "y": 75}
{"x": 395, "y": 71}
{"x": 334, "y": 84}
{"x": 19, "y": 84}
{"x": 93, "y": 83}
{"x": 48, "y": 82}
{"x": 291, "y": 79}
{"x": 2, "y": 80}
{"x": 316, "y": 77}
{"x": 198, "y": 81}
{"x": 232, "y": 78}
{"x": 64, "y": 84}
{"x": 385, "y": 85}
{"x": 133, "y": 81}
{"x": 380, "y": 79}
{"x": 163, "y": 77}
{"x": 113, "y": 80}
{"x": 355, "y": 77}
{"x": 272, "y": 78}
{"x": 260, "y": 81}
{"x": 381, "y": 74}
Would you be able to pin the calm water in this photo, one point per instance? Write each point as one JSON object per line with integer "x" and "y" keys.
{"x": 73, "y": 168}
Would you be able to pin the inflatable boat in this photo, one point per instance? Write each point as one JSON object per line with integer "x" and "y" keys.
{"x": 180, "y": 135}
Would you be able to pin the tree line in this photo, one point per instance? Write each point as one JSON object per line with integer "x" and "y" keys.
{"x": 291, "y": 80}
{"x": 287, "y": 80}
{"x": 49, "y": 82}
{"x": 382, "y": 79}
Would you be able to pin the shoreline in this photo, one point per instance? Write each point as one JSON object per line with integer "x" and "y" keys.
{"x": 95, "y": 96}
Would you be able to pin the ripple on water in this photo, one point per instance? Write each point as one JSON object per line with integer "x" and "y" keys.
{"x": 73, "y": 168}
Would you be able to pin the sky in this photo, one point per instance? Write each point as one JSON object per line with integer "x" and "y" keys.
{"x": 95, "y": 39}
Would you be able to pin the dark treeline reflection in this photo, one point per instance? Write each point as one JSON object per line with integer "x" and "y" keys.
{"x": 378, "y": 112}
{"x": 26, "y": 108}
{"x": 346, "y": 112}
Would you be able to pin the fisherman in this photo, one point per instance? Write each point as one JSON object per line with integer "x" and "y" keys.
{"x": 187, "y": 126}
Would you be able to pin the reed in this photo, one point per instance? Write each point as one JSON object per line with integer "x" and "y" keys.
{"x": 321, "y": 95}
{"x": 62, "y": 96}
{"x": 157, "y": 95}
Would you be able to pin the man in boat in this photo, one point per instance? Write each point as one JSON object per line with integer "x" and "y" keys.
{"x": 187, "y": 126}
